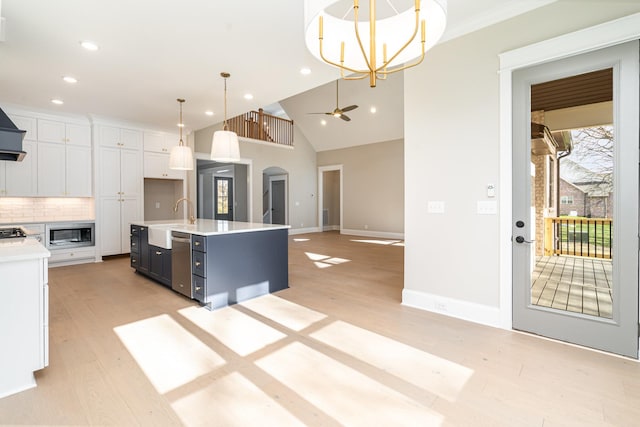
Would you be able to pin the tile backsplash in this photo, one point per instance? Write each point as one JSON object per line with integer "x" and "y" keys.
{"x": 45, "y": 209}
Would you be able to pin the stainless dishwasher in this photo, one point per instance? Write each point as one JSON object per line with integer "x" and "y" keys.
{"x": 181, "y": 263}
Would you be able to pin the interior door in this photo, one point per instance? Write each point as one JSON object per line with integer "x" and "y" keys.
{"x": 223, "y": 194}
{"x": 616, "y": 332}
{"x": 278, "y": 202}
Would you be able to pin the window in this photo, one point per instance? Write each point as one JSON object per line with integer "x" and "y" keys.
{"x": 223, "y": 197}
{"x": 566, "y": 200}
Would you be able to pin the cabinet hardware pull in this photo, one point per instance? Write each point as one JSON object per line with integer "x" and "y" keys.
{"x": 196, "y": 243}
{"x": 133, "y": 261}
{"x": 197, "y": 264}
{"x": 158, "y": 253}
{"x": 198, "y": 288}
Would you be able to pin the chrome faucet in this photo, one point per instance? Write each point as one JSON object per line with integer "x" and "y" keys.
{"x": 192, "y": 219}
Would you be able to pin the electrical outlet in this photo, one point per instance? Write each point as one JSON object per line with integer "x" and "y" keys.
{"x": 157, "y": 205}
{"x": 435, "y": 206}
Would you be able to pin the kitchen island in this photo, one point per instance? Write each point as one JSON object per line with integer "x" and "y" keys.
{"x": 24, "y": 308}
{"x": 217, "y": 263}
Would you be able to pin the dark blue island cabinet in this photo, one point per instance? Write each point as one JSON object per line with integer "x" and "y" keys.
{"x": 228, "y": 268}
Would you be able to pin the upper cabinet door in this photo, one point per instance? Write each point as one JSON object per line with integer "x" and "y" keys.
{"x": 109, "y": 136}
{"x": 78, "y": 134}
{"x": 78, "y": 171}
{"x": 50, "y": 131}
{"x": 51, "y": 169}
{"x": 26, "y": 123}
{"x": 155, "y": 141}
{"x": 131, "y": 139}
{"x": 22, "y": 177}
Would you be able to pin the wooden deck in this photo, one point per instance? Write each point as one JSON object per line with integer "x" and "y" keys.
{"x": 577, "y": 284}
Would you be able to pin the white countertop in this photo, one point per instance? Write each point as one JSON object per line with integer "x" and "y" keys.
{"x": 209, "y": 227}
{"x": 21, "y": 249}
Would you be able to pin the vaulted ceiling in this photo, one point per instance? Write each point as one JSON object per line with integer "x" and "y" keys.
{"x": 154, "y": 51}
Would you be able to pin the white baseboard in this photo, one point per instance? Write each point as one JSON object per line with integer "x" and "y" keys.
{"x": 331, "y": 228}
{"x": 477, "y": 313}
{"x": 304, "y": 230}
{"x": 371, "y": 233}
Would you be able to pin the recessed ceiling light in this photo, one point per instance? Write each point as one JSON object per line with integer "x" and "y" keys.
{"x": 209, "y": 113}
{"x": 248, "y": 96}
{"x": 323, "y": 122}
{"x": 89, "y": 45}
{"x": 70, "y": 79}
{"x": 57, "y": 101}
{"x": 180, "y": 125}
{"x": 373, "y": 109}
{"x": 305, "y": 71}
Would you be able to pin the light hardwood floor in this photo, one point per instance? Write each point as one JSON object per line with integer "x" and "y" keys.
{"x": 336, "y": 348}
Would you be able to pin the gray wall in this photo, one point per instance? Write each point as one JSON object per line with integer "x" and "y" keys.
{"x": 164, "y": 192}
{"x": 373, "y": 185}
{"x": 452, "y": 152}
{"x": 299, "y": 162}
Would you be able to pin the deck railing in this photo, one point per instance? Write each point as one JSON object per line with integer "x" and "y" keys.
{"x": 587, "y": 237}
{"x": 262, "y": 126}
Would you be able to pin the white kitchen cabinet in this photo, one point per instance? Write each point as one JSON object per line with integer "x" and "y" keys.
{"x": 24, "y": 315}
{"x": 20, "y": 179}
{"x": 64, "y": 170}
{"x": 26, "y": 123}
{"x": 122, "y": 138}
{"x": 61, "y": 132}
{"x": 159, "y": 142}
{"x": 156, "y": 165}
{"x": 119, "y": 186}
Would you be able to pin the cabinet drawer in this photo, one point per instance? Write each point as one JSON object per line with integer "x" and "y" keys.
{"x": 135, "y": 243}
{"x": 198, "y": 287}
{"x": 198, "y": 263}
{"x": 135, "y": 261}
{"x": 198, "y": 243}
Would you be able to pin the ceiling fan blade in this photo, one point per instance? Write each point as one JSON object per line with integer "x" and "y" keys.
{"x": 349, "y": 108}
{"x": 345, "y": 118}
{"x": 322, "y": 113}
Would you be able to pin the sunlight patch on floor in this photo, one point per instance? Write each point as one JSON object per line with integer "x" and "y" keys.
{"x": 167, "y": 353}
{"x": 286, "y": 313}
{"x": 232, "y": 400}
{"x": 324, "y": 261}
{"x": 432, "y": 373}
{"x": 241, "y": 333}
{"x": 342, "y": 392}
{"x": 379, "y": 242}
{"x": 300, "y": 239}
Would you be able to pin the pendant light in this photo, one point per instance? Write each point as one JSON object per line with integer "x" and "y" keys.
{"x": 225, "y": 146}
{"x": 181, "y": 157}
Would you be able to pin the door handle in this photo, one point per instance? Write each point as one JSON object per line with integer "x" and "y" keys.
{"x": 521, "y": 239}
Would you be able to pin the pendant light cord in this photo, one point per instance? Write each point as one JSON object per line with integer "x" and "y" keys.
{"x": 180, "y": 124}
{"x": 225, "y": 75}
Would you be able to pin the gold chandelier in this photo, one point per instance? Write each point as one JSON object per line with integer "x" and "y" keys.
{"x": 351, "y": 45}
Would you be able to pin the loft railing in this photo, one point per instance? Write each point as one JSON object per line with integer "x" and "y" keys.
{"x": 587, "y": 237}
{"x": 264, "y": 127}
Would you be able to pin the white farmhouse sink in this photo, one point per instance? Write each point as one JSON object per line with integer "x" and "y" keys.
{"x": 160, "y": 234}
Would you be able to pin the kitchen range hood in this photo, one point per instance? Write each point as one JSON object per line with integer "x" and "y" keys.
{"x": 10, "y": 140}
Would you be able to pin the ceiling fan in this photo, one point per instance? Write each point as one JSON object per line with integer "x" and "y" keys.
{"x": 339, "y": 112}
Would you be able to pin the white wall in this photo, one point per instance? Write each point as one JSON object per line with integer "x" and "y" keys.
{"x": 452, "y": 153}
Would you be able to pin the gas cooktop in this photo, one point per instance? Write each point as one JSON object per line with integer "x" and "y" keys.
{"x": 12, "y": 233}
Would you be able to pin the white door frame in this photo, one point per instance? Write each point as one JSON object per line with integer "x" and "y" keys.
{"x": 604, "y": 35}
{"x": 321, "y": 171}
{"x": 284, "y": 178}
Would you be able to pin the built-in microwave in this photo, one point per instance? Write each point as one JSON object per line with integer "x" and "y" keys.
{"x": 63, "y": 235}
